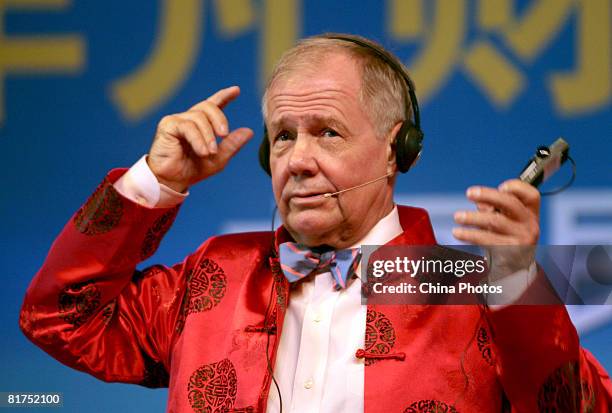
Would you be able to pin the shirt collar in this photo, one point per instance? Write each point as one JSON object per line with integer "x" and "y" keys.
{"x": 384, "y": 231}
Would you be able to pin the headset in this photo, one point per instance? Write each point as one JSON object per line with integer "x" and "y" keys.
{"x": 409, "y": 138}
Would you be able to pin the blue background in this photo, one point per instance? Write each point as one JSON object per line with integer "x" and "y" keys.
{"x": 61, "y": 133}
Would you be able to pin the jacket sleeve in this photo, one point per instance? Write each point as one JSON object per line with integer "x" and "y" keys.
{"x": 91, "y": 309}
{"x": 540, "y": 363}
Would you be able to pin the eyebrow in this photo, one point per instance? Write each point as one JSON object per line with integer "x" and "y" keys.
{"x": 310, "y": 119}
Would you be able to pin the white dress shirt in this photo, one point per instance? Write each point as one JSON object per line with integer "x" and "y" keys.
{"x": 316, "y": 368}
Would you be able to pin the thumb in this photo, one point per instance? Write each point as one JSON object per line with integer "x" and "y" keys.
{"x": 232, "y": 143}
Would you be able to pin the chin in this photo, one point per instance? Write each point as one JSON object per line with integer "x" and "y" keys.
{"x": 309, "y": 226}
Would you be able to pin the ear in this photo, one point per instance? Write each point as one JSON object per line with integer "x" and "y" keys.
{"x": 391, "y": 152}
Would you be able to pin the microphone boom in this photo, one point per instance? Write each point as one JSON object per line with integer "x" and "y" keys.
{"x": 330, "y": 194}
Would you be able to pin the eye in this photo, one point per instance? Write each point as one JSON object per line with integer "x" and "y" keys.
{"x": 329, "y": 133}
{"x": 282, "y": 136}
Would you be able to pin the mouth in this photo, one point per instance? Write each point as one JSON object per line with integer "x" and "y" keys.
{"x": 307, "y": 198}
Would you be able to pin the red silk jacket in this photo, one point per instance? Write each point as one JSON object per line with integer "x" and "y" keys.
{"x": 203, "y": 327}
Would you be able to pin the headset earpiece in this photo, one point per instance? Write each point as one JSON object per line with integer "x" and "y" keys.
{"x": 264, "y": 152}
{"x": 408, "y": 146}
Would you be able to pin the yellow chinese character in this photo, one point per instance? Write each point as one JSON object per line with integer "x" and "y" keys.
{"x": 173, "y": 56}
{"x": 234, "y": 16}
{"x": 178, "y": 41}
{"x": 37, "y": 54}
{"x": 442, "y": 39}
{"x": 588, "y": 88}
{"x": 280, "y": 29}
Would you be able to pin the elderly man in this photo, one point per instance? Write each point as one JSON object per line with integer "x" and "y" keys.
{"x": 227, "y": 332}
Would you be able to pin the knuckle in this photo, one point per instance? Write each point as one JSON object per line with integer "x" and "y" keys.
{"x": 210, "y": 113}
{"x": 187, "y": 124}
{"x": 202, "y": 120}
{"x": 198, "y": 113}
{"x": 190, "y": 128}
{"x": 165, "y": 121}
{"x": 208, "y": 106}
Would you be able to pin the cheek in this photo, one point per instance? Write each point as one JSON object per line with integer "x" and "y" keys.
{"x": 277, "y": 189}
{"x": 351, "y": 171}
{"x": 279, "y": 180}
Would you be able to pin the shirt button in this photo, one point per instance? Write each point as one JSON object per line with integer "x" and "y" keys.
{"x": 317, "y": 318}
{"x": 308, "y": 384}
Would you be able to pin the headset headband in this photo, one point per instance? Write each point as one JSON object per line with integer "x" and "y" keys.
{"x": 392, "y": 62}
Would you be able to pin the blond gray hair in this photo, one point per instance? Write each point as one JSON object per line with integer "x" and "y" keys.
{"x": 382, "y": 92}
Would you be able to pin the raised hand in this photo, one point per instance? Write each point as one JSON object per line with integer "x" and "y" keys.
{"x": 505, "y": 217}
{"x": 185, "y": 149}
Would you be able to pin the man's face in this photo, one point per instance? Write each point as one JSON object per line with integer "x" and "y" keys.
{"x": 322, "y": 140}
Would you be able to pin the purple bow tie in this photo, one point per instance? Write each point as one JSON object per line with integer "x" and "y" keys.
{"x": 298, "y": 261}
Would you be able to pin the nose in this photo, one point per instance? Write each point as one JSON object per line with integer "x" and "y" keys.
{"x": 302, "y": 159}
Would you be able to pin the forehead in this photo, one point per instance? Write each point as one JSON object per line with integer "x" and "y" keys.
{"x": 328, "y": 87}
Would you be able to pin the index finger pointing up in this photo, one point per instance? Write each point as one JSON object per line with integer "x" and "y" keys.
{"x": 221, "y": 98}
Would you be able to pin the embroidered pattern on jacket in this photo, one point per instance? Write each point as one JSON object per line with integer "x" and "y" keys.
{"x": 563, "y": 391}
{"x": 483, "y": 341}
{"x": 380, "y": 335}
{"x": 78, "y": 302}
{"x": 206, "y": 286}
{"x": 102, "y": 211}
{"x": 212, "y": 388}
{"x": 279, "y": 283}
{"x": 156, "y": 232}
{"x": 108, "y": 311}
{"x": 430, "y": 406}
